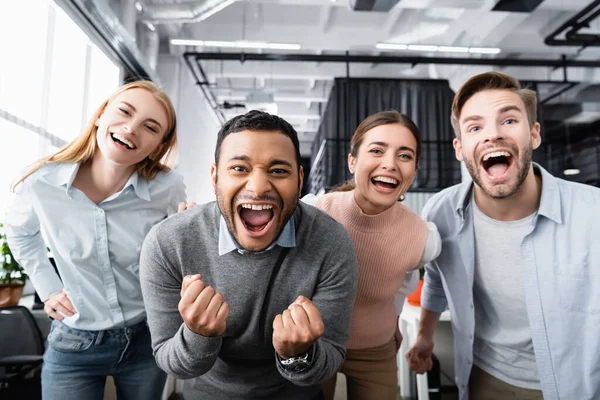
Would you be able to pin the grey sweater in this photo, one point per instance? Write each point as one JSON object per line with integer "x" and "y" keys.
{"x": 241, "y": 364}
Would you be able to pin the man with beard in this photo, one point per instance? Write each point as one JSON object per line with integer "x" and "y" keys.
{"x": 250, "y": 295}
{"x": 517, "y": 269}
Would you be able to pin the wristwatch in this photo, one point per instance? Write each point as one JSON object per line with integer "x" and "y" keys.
{"x": 296, "y": 364}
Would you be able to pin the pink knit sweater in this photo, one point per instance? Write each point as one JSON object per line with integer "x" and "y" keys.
{"x": 388, "y": 245}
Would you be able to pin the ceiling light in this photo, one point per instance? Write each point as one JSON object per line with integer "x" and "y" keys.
{"x": 571, "y": 171}
{"x": 150, "y": 26}
{"x": 422, "y": 47}
{"x": 484, "y": 50}
{"x": 284, "y": 46}
{"x": 242, "y": 44}
{"x": 570, "y": 168}
{"x": 138, "y": 6}
{"x": 187, "y": 42}
{"x": 217, "y": 43}
{"x": 453, "y": 49}
{"x": 391, "y": 46}
{"x": 429, "y": 48}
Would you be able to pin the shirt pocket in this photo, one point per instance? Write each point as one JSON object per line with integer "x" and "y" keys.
{"x": 578, "y": 287}
{"x": 69, "y": 340}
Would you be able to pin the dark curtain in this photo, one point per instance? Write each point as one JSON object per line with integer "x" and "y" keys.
{"x": 426, "y": 102}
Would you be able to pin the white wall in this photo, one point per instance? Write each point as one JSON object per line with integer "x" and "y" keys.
{"x": 197, "y": 127}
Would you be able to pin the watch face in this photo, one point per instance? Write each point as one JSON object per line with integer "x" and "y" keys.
{"x": 297, "y": 366}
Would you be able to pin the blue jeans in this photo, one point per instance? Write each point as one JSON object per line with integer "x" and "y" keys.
{"x": 77, "y": 363}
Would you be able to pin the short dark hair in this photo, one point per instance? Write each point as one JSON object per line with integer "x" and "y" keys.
{"x": 256, "y": 120}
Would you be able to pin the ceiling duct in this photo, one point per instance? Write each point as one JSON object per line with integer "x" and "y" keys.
{"x": 568, "y": 33}
{"x": 110, "y": 34}
{"x": 516, "y": 5}
{"x": 183, "y": 13}
{"x": 372, "y": 5}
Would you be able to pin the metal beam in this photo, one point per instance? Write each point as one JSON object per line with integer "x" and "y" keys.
{"x": 389, "y": 59}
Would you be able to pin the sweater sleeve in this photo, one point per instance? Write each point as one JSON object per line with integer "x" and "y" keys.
{"x": 334, "y": 298}
{"x": 178, "y": 350}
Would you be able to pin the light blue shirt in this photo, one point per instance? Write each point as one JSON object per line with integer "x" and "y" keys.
{"x": 560, "y": 264}
{"x": 96, "y": 247}
{"x": 227, "y": 243}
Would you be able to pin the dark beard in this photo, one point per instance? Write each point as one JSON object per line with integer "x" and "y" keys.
{"x": 524, "y": 163}
{"x": 229, "y": 211}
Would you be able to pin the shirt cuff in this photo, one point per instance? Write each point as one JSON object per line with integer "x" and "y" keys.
{"x": 46, "y": 284}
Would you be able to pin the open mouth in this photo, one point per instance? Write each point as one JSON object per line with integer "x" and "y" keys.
{"x": 497, "y": 163}
{"x": 384, "y": 182}
{"x": 122, "y": 141}
{"x": 256, "y": 218}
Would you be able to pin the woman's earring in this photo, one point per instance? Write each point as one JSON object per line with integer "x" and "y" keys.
{"x": 401, "y": 198}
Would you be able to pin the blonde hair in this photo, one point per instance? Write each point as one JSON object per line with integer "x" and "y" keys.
{"x": 83, "y": 148}
{"x": 492, "y": 81}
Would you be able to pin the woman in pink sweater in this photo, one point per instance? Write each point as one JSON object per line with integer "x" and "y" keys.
{"x": 390, "y": 241}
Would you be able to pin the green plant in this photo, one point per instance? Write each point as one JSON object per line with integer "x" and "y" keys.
{"x": 10, "y": 271}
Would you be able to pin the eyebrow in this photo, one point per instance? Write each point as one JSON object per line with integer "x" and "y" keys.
{"x": 503, "y": 110}
{"x": 512, "y": 107}
{"x": 384, "y": 144}
{"x": 272, "y": 163}
{"x": 149, "y": 119}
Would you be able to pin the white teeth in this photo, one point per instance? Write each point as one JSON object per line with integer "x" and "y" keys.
{"x": 496, "y": 154}
{"x": 122, "y": 139}
{"x": 257, "y": 207}
{"x": 386, "y": 180}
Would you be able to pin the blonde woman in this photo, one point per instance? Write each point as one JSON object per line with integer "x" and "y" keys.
{"x": 93, "y": 202}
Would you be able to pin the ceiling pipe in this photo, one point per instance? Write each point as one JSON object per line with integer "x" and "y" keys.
{"x": 388, "y": 59}
{"x": 572, "y": 27}
{"x": 183, "y": 13}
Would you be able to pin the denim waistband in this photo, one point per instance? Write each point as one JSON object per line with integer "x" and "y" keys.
{"x": 97, "y": 337}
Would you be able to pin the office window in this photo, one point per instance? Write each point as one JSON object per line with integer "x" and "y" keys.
{"x": 19, "y": 149}
{"x": 67, "y": 79}
{"x": 103, "y": 80}
{"x": 23, "y": 30}
{"x": 52, "y": 78}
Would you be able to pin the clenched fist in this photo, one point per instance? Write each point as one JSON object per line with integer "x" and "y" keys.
{"x": 202, "y": 308}
{"x": 297, "y": 328}
{"x": 418, "y": 356}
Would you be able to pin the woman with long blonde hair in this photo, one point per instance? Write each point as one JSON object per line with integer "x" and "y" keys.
{"x": 92, "y": 203}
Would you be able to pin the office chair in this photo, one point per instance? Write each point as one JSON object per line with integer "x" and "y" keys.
{"x": 21, "y": 353}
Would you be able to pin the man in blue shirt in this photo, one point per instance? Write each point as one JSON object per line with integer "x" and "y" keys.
{"x": 518, "y": 269}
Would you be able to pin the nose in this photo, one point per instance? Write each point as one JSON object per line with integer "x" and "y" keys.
{"x": 258, "y": 183}
{"x": 493, "y": 133}
{"x": 389, "y": 161}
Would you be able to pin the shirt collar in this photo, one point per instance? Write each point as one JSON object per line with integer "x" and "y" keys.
{"x": 227, "y": 243}
{"x": 63, "y": 174}
{"x": 140, "y": 186}
{"x": 549, "y": 201}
